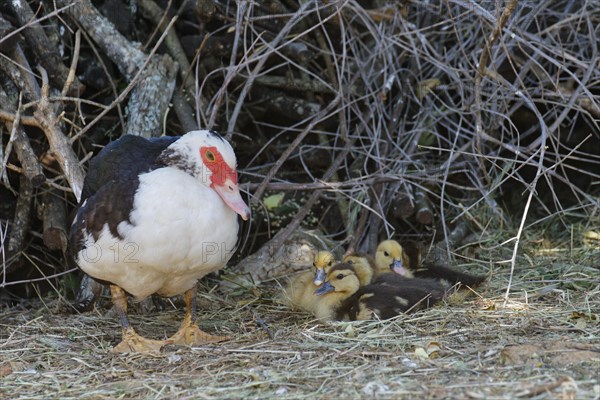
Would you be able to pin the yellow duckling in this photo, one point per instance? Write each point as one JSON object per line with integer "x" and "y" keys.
{"x": 364, "y": 266}
{"x": 324, "y": 260}
{"x": 300, "y": 292}
{"x": 342, "y": 298}
{"x": 391, "y": 255}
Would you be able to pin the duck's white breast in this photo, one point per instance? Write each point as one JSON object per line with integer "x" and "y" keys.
{"x": 180, "y": 230}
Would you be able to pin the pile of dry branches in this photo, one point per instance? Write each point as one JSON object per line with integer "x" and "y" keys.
{"x": 361, "y": 118}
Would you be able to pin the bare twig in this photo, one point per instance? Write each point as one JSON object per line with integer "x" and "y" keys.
{"x": 285, "y": 155}
{"x": 71, "y": 76}
{"x": 232, "y": 70}
{"x": 532, "y": 189}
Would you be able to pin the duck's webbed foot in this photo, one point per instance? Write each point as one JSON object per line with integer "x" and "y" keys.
{"x": 134, "y": 343}
{"x": 193, "y": 335}
{"x": 189, "y": 333}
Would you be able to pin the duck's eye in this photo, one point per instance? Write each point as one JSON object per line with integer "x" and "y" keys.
{"x": 340, "y": 276}
{"x": 210, "y": 156}
{"x": 351, "y": 262}
{"x": 385, "y": 253}
{"x": 329, "y": 263}
{"x": 315, "y": 264}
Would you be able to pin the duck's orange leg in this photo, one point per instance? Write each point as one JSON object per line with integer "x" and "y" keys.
{"x": 189, "y": 333}
{"x": 132, "y": 342}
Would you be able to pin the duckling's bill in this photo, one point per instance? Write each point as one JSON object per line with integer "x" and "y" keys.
{"x": 320, "y": 277}
{"x": 398, "y": 268}
{"x": 324, "y": 288}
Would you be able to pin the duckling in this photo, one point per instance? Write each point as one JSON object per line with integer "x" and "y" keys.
{"x": 324, "y": 260}
{"x": 341, "y": 284}
{"x": 300, "y": 291}
{"x": 366, "y": 267}
{"x": 342, "y": 297}
{"x": 390, "y": 254}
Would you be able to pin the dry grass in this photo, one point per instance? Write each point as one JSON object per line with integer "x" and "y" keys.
{"x": 276, "y": 352}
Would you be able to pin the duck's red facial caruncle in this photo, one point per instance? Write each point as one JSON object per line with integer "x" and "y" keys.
{"x": 223, "y": 180}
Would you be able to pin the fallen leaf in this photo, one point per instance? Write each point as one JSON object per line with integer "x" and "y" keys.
{"x": 591, "y": 239}
{"x": 273, "y": 201}
{"x": 587, "y": 316}
{"x": 421, "y": 354}
{"x": 581, "y": 324}
{"x": 349, "y": 331}
{"x": 427, "y": 86}
{"x": 433, "y": 350}
{"x": 5, "y": 369}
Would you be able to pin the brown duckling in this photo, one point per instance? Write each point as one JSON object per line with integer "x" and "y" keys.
{"x": 342, "y": 297}
{"x": 341, "y": 284}
{"x": 390, "y": 254}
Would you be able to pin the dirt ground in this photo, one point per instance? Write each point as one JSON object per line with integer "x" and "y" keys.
{"x": 544, "y": 343}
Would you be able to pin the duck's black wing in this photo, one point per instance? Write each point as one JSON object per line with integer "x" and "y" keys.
{"x": 123, "y": 159}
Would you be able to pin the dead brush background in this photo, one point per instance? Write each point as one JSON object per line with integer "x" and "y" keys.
{"x": 472, "y": 127}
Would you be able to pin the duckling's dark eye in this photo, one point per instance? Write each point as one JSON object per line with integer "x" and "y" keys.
{"x": 385, "y": 253}
{"x": 315, "y": 264}
{"x": 340, "y": 276}
{"x": 329, "y": 263}
{"x": 350, "y": 261}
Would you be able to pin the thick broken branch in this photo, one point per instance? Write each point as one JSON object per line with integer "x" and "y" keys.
{"x": 281, "y": 103}
{"x": 182, "y": 107}
{"x": 59, "y": 144}
{"x": 21, "y": 223}
{"x": 184, "y": 111}
{"x": 127, "y": 56}
{"x": 438, "y": 254}
{"x": 299, "y": 85}
{"x": 7, "y": 43}
{"x": 20, "y": 74}
{"x": 403, "y": 206}
{"x": 54, "y": 216}
{"x": 47, "y": 54}
{"x": 29, "y": 161}
{"x": 150, "y": 97}
{"x": 424, "y": 213}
